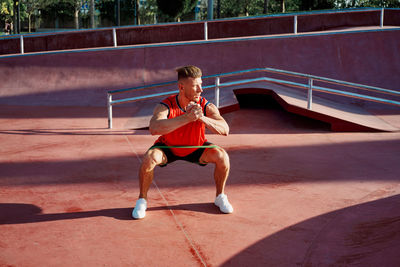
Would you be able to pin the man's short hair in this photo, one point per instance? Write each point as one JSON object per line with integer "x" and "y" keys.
{"x": 188, "y": 72}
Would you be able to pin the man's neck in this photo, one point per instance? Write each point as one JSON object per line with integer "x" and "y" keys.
{"x": 183, "y": 101}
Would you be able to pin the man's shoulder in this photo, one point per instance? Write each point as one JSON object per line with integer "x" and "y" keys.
{"x": 169, "y": 100}
{"x": 170, "y": 97}
{"x": 203, "y": 101}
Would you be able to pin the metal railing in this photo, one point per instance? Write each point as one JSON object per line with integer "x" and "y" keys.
{"x": 287, "y": 80}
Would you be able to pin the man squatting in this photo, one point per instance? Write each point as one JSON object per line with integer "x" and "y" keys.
{"x": 180, "y": 120}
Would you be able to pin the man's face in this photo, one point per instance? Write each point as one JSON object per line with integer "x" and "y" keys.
{"x": 191, "y": 88}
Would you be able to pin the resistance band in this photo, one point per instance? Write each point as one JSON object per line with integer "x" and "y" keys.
{"x": 210, "y": 146}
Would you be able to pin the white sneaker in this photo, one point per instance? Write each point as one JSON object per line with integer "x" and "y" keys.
{"x": 139, "y": 212}
{"x": 221, "y": 201}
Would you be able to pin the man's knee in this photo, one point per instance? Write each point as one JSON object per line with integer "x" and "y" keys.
{"x": 218, "y": 156}
{"x": 151, "y": 159}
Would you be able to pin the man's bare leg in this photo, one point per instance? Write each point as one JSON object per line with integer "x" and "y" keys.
{"x": 152, "y": 158}
{"x": 220, "y": 158}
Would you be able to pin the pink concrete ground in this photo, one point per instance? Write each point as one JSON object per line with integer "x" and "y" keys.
{"x": 302, "y": 195}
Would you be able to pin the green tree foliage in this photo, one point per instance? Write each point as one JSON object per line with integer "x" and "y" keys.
{"x": 382, "y": 3}
{"x": 6, "y": 10}
{"x": 58, "y": 12}
{"x": 171, "y": 8}
{"x": 32, "y": 7}
{"x": 108, "y": 12}
{"x": 367, "y": 3}
{"x": 175, "y": 9}
{"x": 317, "y": 4}
{"x": 148, "y": 12}
{"x": 239, "y": 8}
{"x": 66, "y": 13}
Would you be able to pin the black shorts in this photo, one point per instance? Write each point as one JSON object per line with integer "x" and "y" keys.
{"x": 193, "y": 157}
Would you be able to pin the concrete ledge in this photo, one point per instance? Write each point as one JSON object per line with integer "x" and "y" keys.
{"x": 342, "y": 117}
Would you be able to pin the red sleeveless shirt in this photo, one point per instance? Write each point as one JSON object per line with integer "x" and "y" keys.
{"x": 191, "y": 134}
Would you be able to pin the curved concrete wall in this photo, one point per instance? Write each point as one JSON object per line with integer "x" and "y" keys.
{"x": 160, "y": 34}
{"x": 318, "y": 22}
{"x": 195, "y": 31}
{"x": 392, "y": 17}
{"x": 250, "y": 27}
{"x": 69, "y": 40}
{"x": 82, "y": 78}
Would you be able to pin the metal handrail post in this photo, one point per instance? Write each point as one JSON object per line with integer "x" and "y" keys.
{"x": 21, "y": 42}
{"x": 114, "y": 32}
{"x": 295, "y": 24}
{"x": 382, "y": 15}
{"x": 205, "y": 30}
{"x": 217, "y": 82}
{"x": 109, "y": 107}
{"x": 309, "y": 96}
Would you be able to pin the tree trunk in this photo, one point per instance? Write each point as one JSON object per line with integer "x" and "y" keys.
{"x": 29, "y": 22}
{"x": 265, "y": 11}
{"x": 92, "y": 14}
{"x": 118, "y": 13}
{"x": 19, "y": 16}
{"x": 283, "y": 6}
{"x": 76, "y": 17}
{"x": 218, "y": 9}
{"x": 14, "y": 18}
{"x": 137, "y": 13}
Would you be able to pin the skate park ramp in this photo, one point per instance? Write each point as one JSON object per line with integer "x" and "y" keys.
{"x": 302, "y": 193}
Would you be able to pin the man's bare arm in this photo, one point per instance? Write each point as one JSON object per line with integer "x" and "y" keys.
{"x": 214, "y": 121}
{"x": 160, "y": 124}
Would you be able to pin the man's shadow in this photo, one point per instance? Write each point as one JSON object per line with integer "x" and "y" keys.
{"x": 17, "y": 213}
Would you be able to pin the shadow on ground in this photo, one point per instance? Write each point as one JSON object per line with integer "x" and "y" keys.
{"x": 354, "y": 161}
{"x": 20, "y": 213}
{"x": 362, "y": 235}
